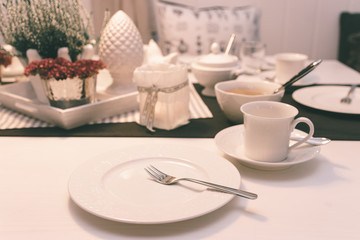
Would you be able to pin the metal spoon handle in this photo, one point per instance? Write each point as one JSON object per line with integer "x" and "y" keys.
{"x": 301, "y": 74}
{"x": 313, "y": 140}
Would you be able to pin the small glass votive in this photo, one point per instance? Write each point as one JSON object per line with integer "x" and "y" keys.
{"x": 252, "y": 55}
{"x": 163, "y": 95}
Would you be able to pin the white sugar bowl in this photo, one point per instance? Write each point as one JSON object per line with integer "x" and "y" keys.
{"x": 213, "y": 68}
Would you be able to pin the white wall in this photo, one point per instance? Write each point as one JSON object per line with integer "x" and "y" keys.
{"x": 307, "y": 26}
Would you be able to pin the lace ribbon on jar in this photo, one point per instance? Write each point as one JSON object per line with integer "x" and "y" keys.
{"x": 148, "y": 114}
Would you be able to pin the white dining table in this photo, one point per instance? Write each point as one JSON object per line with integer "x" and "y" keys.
{"x": 318, "y": 199}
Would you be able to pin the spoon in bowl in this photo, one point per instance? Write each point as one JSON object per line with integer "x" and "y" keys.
{"x": 230, "y": 43}
{"x": 300, "y": 75}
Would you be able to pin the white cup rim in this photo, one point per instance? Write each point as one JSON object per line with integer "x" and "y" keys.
{"x": 224, "y": 86}
{"x": 291, "y": 56}
{"x": 293, "y": 110}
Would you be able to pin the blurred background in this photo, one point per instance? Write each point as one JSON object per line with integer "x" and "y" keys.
{"x": 311, "y": 27}
{"x": 306, "y": 26}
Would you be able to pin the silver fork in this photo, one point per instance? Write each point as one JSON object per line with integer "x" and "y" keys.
{"x": 348, "y": 97}
{"x": 166, "y": 179}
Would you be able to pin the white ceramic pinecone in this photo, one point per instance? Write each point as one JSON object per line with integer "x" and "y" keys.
{"x": 121, "y": 49}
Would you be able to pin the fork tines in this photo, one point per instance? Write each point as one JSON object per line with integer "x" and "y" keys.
{"x": 154, "y": 172}
{"x": 348, "y": 98}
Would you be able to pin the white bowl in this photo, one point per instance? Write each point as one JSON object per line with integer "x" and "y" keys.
{"x": 230, "y": 103}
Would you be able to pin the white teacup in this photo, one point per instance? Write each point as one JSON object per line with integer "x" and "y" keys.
{"x": 268, "y": 126}
{"x": 288, "y": 65}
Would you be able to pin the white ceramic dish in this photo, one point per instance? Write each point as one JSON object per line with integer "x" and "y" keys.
{"x": 288, "y": 64}
{"x": 230, "y": 142}
{"x": 270, "y": 74}
{"x": 12, "y": 73}
{"x": 21, "y": 97}
{"x": 15, "y": 69}
{"x": 230, "y": 103}
{"x": 115, "y": 185}
{"x": 327, "y": 98}
{"x": 213, "y": 68}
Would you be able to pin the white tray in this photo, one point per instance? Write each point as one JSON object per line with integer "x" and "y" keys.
{"x": 21, "y": 98}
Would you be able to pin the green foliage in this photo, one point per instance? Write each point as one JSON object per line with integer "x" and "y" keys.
{"x": 45, "y": 25}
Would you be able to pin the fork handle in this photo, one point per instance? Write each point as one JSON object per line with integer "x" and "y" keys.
{"x": 352, "y": 89}
{"x": 237, "y": 192}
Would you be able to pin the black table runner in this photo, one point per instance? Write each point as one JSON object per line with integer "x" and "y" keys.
{"x": 335, "y": 126}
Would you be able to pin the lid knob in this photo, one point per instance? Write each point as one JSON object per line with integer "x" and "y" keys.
{"x": 215, "y": 48}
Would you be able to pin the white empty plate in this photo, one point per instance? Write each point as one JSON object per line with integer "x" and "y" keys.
{"x": 328, "y": 98}
{"x": 115, "y": 185}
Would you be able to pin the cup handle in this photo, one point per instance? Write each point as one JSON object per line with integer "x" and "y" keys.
{"x": 311, "y": 130}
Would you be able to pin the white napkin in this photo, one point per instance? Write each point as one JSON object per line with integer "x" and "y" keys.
{"x": 153, "y": 54}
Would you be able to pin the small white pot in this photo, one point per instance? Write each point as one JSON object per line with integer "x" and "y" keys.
{"x": 213, "y": 68}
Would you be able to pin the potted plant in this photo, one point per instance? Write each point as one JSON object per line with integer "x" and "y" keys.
{"x": 67, "y": 84}
{"x": 48, "y": 29}
{"x": 45, "y": 25}
{"x": 5, "y": 60}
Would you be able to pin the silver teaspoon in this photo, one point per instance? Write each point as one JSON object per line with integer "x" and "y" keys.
{"x": 314, "y": 140}
{"x": 300, "y": 75}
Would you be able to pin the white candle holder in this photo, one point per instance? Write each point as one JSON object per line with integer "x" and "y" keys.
{"x": 163, "y": 95}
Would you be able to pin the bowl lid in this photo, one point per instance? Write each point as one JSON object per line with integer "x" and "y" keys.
{"x": 216, "y": 59}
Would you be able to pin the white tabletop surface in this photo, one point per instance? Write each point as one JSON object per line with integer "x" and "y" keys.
{"x": 315, "y": 200}
{"x": 330, "y": 71}
{"x": 319, "y": 199}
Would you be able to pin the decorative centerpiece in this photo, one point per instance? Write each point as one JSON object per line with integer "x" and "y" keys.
{"x": 121, "y": 49}
{"x": 49, "y": 29}
{"x": 5, "y": 60}
{"x": 67, "y": 84}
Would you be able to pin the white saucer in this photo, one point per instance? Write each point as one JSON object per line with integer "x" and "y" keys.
{"x": 230, "y": 142}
